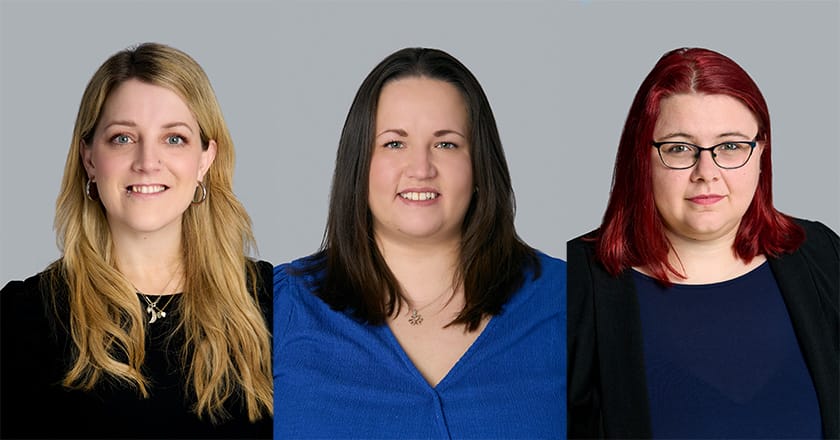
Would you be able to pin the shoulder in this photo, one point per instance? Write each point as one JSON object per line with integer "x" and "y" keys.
{"x": 547, "y": 291}
{"x": 580, "y": 253}
{"x": 820, "y": 240}
{"x": 294, "y": 284}
{"x": 264, "y": 292}
{"x": 264, "y": 271}
{"x": 552, "y": 269}
{"x": 582, "y": 244}
{"x": 27, "y": 309}
{"x": 298, "y": 278}
{"x": 24, "y": 293}
{"x": 301, "y": 273}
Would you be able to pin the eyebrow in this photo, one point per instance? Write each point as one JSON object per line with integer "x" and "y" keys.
{"x": 165, "y": 126}
{"x": 397, "y": 131}
{"x": 403, "y": 133}
{"x": 720, "y": 136}
{"x": 440, "y": 133}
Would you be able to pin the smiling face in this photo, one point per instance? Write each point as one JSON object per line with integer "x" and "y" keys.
{"x": 704, "y": 202}
{"x": 146, "y": 158}
{"x": 421, "y": 179}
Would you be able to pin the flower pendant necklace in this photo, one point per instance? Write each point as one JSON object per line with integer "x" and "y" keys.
{"x": 415, "y": 318}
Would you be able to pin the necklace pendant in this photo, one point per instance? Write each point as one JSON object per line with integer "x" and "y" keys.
{"x": 154, "y": 317}
{"x": 415, "y": 318}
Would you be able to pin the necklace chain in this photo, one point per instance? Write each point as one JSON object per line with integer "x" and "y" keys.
{"x": 155, "y": 312}
{"x": 152, "y": 308}
{"x": 415, "y": 318}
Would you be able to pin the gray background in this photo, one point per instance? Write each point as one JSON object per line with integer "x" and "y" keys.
{"x": 560, "y": 76}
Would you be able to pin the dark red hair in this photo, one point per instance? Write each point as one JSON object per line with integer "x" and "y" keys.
{"x": 632, "y": 232}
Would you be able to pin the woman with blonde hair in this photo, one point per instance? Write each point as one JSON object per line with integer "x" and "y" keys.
{"x": 153, "y": 323}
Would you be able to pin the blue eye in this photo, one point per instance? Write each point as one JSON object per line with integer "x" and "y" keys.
{"x": 175, "y": 140}
{"x": 393, "y": 144}
{"x": 446, "y": 145}
{"x": 121, "y": 139}
{"x": 679, "y": 149}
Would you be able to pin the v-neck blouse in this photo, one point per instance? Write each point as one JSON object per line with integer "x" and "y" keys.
{"x": 335, "y": 377}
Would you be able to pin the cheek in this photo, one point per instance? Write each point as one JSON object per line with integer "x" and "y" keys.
{"x": 382, "y": 174}
{"x": 461, "y": 174}
{"x": 106, "y": 165}
{"x": 745, "y": 182}
{"x": 663, "y": 185}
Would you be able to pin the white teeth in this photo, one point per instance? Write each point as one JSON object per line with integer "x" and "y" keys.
{"x": 146, "y": 189}
{"x": 418, "y": 195}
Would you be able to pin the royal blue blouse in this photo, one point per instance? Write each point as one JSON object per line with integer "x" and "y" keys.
{"x": 335, "y": 377}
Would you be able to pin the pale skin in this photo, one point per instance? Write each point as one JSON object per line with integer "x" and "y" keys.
{"x": 146, "y": 160}
{"x": 702, "y": 232}
{"x": 421, "y": 147}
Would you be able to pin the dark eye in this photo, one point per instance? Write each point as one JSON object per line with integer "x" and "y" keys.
{"x": 121, "y": 139}
{"x": 393, "y": 144}
{"x": 446, "y": 145}
{"x": 175, "y": 140}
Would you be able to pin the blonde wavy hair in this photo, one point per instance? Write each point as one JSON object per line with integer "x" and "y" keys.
{"x": 227, "y": 350}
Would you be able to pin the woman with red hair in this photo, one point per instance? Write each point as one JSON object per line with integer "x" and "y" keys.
{"x": 697, "y": 309}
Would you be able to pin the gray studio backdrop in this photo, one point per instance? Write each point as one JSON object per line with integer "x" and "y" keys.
{"x": 560, "y": 76}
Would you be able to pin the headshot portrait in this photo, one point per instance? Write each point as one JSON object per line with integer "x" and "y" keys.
{"x": 560, "y": 77}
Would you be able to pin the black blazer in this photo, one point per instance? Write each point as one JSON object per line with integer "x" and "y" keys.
{"x": 607, "y": 390}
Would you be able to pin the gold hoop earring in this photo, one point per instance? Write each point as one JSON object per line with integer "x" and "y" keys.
{"x": 203, "y": 193}
{"x": 87, "y": 190}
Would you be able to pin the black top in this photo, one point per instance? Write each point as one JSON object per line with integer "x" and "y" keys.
{"x": 607, "y": 389}
{"x": 35, "y": 353}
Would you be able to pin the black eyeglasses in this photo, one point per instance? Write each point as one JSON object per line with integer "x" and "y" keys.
{"x": 726, "y": 155}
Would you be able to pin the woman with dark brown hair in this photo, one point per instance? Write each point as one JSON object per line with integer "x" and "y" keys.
{"x": 423, "y": 315}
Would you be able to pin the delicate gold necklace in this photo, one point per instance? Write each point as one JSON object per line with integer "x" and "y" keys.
{"x": 152, "y": 308}
{"x": 415, "y": 318}
{"x": 155, "y": 312}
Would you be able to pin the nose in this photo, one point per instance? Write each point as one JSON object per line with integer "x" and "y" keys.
{"x": 705, "y": 169}
{"x": 146, "y": 157}
{"x": 421, "y": 163}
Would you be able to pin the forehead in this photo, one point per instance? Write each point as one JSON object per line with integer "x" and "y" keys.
{"x": 421, "y": 99}
{"x": 144, "y": 103}
{"x": 704, "y": 115}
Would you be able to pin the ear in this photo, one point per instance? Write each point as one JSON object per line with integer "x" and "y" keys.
{"x": 87, "y": 159}
{"x": 207, "y": 158}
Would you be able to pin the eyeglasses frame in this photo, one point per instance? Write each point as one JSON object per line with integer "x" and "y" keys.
{"x": 700, "y": 150}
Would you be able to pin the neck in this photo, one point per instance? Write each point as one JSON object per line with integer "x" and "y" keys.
{"x": 707, "y": 261}
{"x": 151, "y": 262}
{"x": 425, "y": 273}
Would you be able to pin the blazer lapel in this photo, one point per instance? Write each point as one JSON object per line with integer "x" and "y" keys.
{"x": 621, "y": 358}
{"x": 816, "y": 331}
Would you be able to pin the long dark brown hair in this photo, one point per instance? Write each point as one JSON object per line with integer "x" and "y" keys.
{"x": 351, "y": 272}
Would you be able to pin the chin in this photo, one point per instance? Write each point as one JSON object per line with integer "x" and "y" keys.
{"x": 152, "y": 225}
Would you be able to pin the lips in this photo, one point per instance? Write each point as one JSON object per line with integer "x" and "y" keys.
{"x": 419, "y": 195}
{"x": 146, "y": 189}
{"x": 706, "y": 199}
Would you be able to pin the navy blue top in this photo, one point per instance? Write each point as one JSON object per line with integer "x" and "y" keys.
{"x": 722, "y": 361}
{"x": 335, "y": 377}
